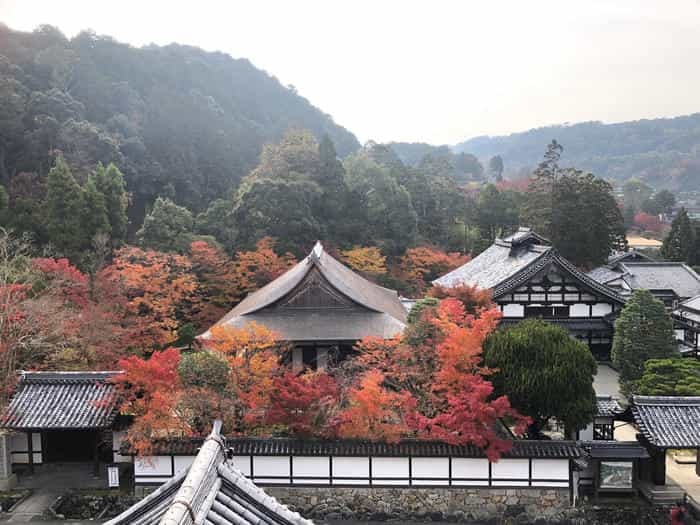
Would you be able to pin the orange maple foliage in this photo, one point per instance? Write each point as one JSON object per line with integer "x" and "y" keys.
{"x": 367, "y": 260}
{"x": 254, "y": 358}
{"x": 218, "y": 287}
{"x": 254, "y": 269}
{"x": 420, "y": 265}
{"x": 160, "y": 290}
{"x": 473, "y": 298}
{"x": 375, "y": 412}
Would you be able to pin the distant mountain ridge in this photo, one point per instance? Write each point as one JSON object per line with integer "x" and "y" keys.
{"x": 178, "y": 121}
{"x": 663, "y": 152}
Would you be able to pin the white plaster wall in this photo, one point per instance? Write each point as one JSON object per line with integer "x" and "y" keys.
{"x": 550, "y": 469}
{"x": 578, "y": 310}
{"x": 508, "y": 469}
{"x": 270, "y": 466}
{"x": 242, "y": 463}
{"x": 346, "y": 466}
{"x": 470, "y": 468}
{"x": 680, "y": 334}
{"x": 318, "y": 467}
{"x": 430, "y": 468}
{"x": 153, "y": 466}
{"x": 182, "y": 463}
{"x": 601, "y": 309}
{"x": 513, "y": 310}
{"x": 390, "y": 468}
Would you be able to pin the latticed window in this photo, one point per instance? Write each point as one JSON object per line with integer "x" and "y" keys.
{"x": 603, "y": 432}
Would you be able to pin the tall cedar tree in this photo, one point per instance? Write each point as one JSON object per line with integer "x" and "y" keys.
{"x": 643, "y": 331}
{"x": 679, "y": 244}
{"x": 65, "y": 211}
{"x": 544, "y": 372}
{"x": 96, "y": 219}
{"x": 110, "y": 182}
{"x": 575, "y": 210}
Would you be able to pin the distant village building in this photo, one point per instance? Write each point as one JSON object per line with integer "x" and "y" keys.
{"x": 642, "y": 243}
{"x": 323, "y": 308}
{"x": 671, "y": 282}
{"x": 530, "y": 279}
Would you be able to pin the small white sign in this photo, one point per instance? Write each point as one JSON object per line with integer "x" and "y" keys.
{"x": 113, "y": 477}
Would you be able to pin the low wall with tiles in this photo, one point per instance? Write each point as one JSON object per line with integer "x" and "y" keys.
{"x": 436, "y": 504}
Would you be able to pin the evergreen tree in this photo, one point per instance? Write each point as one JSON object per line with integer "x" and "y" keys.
{"x": 496, "y": 168}
{"x": 65, "y": 211}
{"x": 670, "y": 377}
{"x": 680, "y": 241}
{"x": 95, "y": 219}
{"x": 110, "y": 182}
{"x": 587, "y": 224}
{"x": 544, "y": 372}
{"x": 537, "y": 211}
{"x": 168, "y": 227}
{"x": 643, "y": 331}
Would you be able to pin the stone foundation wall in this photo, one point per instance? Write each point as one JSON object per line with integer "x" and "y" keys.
{"x": 453, "y": 504}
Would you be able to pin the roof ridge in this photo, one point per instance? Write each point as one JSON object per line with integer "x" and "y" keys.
{"x": 199, "y": 480}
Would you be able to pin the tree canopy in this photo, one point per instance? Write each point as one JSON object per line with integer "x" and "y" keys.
{"x": 670, "y": 377}
{"x": 643, "y": 331}
{"x": 544, "y": 372}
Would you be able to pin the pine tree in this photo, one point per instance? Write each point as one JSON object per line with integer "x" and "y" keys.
{"x": 110, "y": 182}
{"x": 679, "y": 243}
{"x": 643, "y": 331}
{"x": 65, "y": 211}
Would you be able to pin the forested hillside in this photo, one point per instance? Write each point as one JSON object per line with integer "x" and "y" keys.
{"x": 179, "y": 122}
{"x": 664, "y": 153}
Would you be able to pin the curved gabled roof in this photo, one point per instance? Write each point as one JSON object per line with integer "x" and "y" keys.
{"x": 512, "y": 261}
{"x": 350, "y": 284}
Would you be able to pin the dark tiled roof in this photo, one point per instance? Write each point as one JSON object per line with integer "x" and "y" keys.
{"x": 608, "y": 406}
{"x": 210, "y": 492}
{"x": 678, "y": 277}
{"x": 631, "y": 255}
{"x": 507, "y": 264}
{"x": 62, "y": 400}
{"x": 418, "y": 448}
{"x": 378, "y": 311}
{"x": 614, "y": 449}
{"x": 668, "y": 422}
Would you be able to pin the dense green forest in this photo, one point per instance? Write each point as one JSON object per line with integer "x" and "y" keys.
{"x": 179, "y": 122}
{"x": 664, "y": 153}
{"x": 103, "y": 144}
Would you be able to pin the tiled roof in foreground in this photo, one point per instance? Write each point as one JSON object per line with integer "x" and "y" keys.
{"x": 668, "y": 422}
{"x": 351, "y": 447}
{"x": 210, "y": 492}
{"x": 61, "y": 401}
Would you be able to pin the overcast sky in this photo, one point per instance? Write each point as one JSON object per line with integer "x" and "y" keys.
{"x": 432, "y": 71}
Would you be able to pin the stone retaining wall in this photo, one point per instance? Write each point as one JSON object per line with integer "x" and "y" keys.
{"x": 454, "y": 504}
